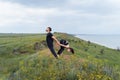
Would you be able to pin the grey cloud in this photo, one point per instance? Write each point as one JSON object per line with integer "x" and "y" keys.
{"x": 40, "y": 3}
{"x": 101, "y": 7}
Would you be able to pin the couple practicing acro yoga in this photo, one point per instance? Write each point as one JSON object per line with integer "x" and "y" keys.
{"x": 62, "y": 43}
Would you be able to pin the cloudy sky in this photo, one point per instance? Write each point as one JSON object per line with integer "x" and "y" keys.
{"x": 70, "y": 16}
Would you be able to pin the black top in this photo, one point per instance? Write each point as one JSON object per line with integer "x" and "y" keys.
{"x": 49, "y": 40}
{"x": 64, "y": 42}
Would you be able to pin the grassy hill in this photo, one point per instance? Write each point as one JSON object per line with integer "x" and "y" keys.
{"x": 26, "y": 57}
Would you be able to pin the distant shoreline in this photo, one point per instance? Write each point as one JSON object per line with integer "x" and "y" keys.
{"x": 110, "y": 41}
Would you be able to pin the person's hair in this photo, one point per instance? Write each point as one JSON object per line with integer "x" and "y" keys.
{"x": 50, "y": 28}
{"x": 71, "y": 50}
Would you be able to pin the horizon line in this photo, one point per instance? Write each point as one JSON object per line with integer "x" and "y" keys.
{"x": 57, "y": 32}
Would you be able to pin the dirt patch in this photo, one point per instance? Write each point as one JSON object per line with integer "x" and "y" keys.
{"x": 40, "y": 45}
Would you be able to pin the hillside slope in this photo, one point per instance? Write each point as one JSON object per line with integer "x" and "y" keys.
{"x": 26, "y": 57}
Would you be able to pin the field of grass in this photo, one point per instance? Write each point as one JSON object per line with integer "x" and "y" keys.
{"x": 26, "y": 57}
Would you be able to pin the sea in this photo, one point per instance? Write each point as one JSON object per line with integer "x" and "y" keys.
{"x": 111, "y": 41}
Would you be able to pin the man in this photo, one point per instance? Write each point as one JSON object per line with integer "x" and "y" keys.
{"x": 50, "y": 38}
{"x": 64, "y": 42}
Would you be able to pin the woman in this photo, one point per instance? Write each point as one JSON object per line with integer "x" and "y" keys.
{"x": 64, "y": 42}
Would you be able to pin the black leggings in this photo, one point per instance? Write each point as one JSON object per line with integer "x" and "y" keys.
{"x": 61, "y": 50}
{"x": 53, "y": 51}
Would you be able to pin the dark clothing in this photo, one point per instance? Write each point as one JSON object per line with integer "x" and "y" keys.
{"x": 49, "y": 41}
{"x": 61, "y": 50}
{"x": 53, "y": 51}
{"x": 64, "y": 42}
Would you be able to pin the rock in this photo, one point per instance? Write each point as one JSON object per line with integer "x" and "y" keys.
{"x": 16, "y": 51}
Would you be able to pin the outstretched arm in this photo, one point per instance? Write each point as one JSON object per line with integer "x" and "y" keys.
{"x": 59, "y": 42}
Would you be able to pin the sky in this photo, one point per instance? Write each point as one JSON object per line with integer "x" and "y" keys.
{"x": 69, "y": 16}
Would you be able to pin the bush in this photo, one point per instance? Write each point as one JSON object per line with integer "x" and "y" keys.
{"x": 102, "y": 51}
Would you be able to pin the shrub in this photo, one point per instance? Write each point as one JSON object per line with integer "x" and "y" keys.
{"x": 102, "y": 51}
{"x": 89, "y": 43}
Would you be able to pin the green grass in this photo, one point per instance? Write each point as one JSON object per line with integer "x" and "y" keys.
{"x": 90, "y": 62}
